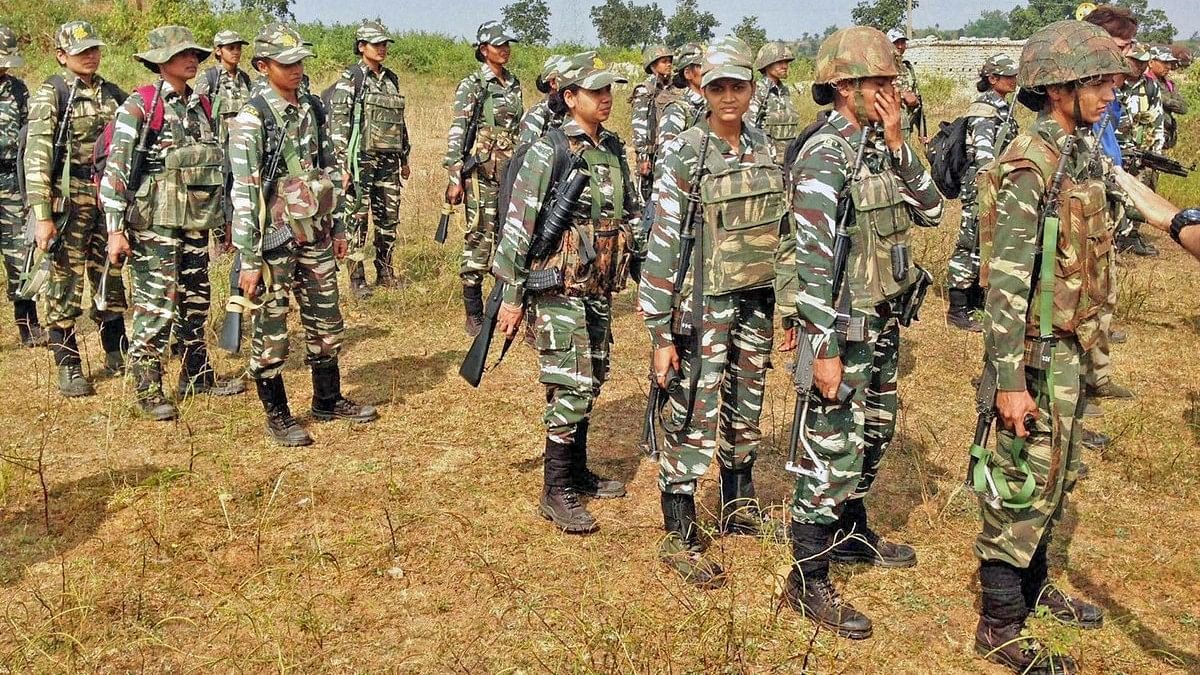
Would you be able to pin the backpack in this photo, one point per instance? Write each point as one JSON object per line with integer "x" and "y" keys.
{"x": 559, "y": 167}
{"x": 947, "y": 150}
{"x": 213, "y": 75}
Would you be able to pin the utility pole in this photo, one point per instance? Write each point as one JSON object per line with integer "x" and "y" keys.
{"x": 908, "y": 13}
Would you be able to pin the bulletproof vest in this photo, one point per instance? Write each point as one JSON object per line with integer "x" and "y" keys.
{"x": 227, "y": 101}
{"x": 494, "y": 144}
{"x": 188, "y": 191}
{"x": 664, "y": 97}
{"x": 382, "y": 119}
{"x": 781, "y": 122}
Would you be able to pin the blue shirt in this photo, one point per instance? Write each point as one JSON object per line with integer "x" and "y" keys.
{"x": 1108, "y": 139}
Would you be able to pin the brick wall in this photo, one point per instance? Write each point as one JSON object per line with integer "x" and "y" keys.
{"x": 958, "y": 59}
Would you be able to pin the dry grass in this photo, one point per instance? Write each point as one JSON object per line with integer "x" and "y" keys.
{"x": 412, "y": 544}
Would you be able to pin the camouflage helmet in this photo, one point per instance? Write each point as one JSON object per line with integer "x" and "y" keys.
{"x": 690, "y": 54}
{"x": 653, "y": 53}
{"x": 1000, "y": 65}
{"x": 552, "y": 67}
{"x": 76, "y": 37}
{"x": 372, "y": 32}
{"x": 1163, "y": 53}
{"x": 228, "y": 37}
{"x": 585, "y": 71}
{"x": 773, "y": 52}
{"x": 1066, "y": 51}
{"x": 851, "y": 54}
{"x": 280, "y": 42}
{"x": 729, "y": 57}
{"x": 10, "y": 56}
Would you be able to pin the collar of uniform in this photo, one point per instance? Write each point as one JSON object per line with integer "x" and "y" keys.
{"x": 572, "y": 129}
{"x": 71, "y": 78}
{"x": 843, "y": 126}
{"x": 486, "y": 73}
{"x": 694, "y": 97}
{"x": 994, "y": 98}
{"x": 1052, "y": 132}
{"x": 382, "y": 70}
{"x": 281, "y": 107}
{"x": 770, "y": 87}
{"x": 745, "y": 141}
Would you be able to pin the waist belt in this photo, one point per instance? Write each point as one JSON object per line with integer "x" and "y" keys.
{"x": 85, "y": 172}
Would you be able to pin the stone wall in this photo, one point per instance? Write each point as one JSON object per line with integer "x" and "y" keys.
{"x": 958, "y": 59}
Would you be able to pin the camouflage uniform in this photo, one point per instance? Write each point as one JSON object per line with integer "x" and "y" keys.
{"x": 678, "y": 116}
{"x": 85, "y": 243}
{"x": 381, "y": 142}
{"x": 772, "y": 108}
{"x": 228, "y": 92}
{"x": 645, "y": 113}
{"x": 906, "y": 81}
{"x": 14, "y": 112}
{"x": 540, "y": 118}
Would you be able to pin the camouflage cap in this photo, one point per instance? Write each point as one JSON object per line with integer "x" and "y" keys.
{"x": 10, "y": 56}
{"x": 551, "y": 68}
{"x": 228, "y": 37}
{"x": 372, "y": 32}
{"x": 690, "y": 54}
{"x": 1162, "y": 53}
{"x": 896, "y": 34}
{"x": 585, "y": 71}
{"x": 1140, "y": 52}
{"x": 76, "y": 37}
{"x": 280, "y": 42}
{"x": 492, "y": 33}
{"x": 728, "y": 57}
{"x": 653, "y": 53}
{"x": 1066, "y": 51}
{"x": 854, "y": 53}
{"x": 166, "y": 42}
{"x": 773, "y": 52}
{"x": 1000, "y": 65}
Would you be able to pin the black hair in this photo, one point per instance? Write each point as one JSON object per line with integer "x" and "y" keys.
{"x": 479, "y": 52}
{"x": 558, "y": 102}
{"x": 358, "y": 47}
{"x": 983, "y": 84}
{"x": 542, "y": 85}
{"x": 1034, "y": 98}
{"x": 822, "y": 94}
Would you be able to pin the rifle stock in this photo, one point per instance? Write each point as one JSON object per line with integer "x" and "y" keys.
{"x": 231, "y": 332}
{"x": 475, "y": 361}
{"x": 443, "y": 228}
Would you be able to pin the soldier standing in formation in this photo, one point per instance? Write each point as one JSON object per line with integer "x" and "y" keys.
{"x": 906, "y": 83}
{"x": 64, "y": 191}
{"x": 710, "y": 317}
{"x": 772, "y": 109}
{"x": 547, "y": 232}
{"x": 1162, "y": 63}
{"x": 227, "y": 87}
{"x": 991, "y": 128}
{"x": 285, "y": 233}
{"x": 687, "y": 106}
{"x": 1141, "y": 127}
{"x": 646, "y": 103}
{"x": 14, "y": 112}
{"x": 162, "y": 191}
{"x": 854, "y": 329}
{"x": 541, "y": 118}
{"x": 489, "y": 99}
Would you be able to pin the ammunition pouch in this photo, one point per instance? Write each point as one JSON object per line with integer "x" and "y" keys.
{"x": 592, "y": 259}
{"x": 383, "y": 122}
{"x": 303, "y": 203}
{"x": 493, "y": 148}
{"x": 880, "y": 266}
{"x": 743, "y": 210}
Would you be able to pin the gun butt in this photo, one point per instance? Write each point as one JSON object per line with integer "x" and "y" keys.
{"x": 443, "y": 228}
{"x": 231, "y": 333}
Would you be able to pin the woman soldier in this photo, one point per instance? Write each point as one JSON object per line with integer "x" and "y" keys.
{"x": 991, "y": 126}
{"x": 720, "y": 195}
{"x": 540, "y": 118}
{"x": 685, "y": 103}
{"x": 572, "y": 197}
{"x": 772, "y": 109}
{"x": 487, "y": 103}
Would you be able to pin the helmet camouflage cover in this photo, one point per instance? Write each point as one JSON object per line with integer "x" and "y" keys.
{"x": 653, "y": 53}
{"x": 690, "y": 54}
{"x": 1067, "y": 51}
{"x": 773, "y": 52}
{"x": 729, "y": 57}
{"x": 854, "y": 53}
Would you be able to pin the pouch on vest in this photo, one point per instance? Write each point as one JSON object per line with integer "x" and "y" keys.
{"x": 302, "y": 202}
{"x": 743, "y": 210}
{"x": 782, "y": 125}
{"x": 195, "y": 171}
{"x": 493, "y": 147}
{"x": 604, "y": 275}
{"x": 879, "y": 267}
{"x": 382, "y": 122}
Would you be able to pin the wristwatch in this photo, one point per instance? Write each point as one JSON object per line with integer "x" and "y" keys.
{"x": 1185, "y": 218}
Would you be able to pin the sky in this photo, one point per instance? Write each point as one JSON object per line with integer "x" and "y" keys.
{"x": 783, "y": 19}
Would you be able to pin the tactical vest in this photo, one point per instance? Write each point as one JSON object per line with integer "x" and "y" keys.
{"x": 227, "y": 101}
{"x": 1083, "y": 262}
{"x": 494, "y": 144}
{"x": 382, "y": 121}
{"x": 781, "y": 122}
{"x": 188, "y": 192}
{"x": 303, "y": 198}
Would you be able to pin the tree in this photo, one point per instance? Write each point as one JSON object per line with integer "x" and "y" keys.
{"x": 529, "y": 19}
{"x": 624, "y": 24}
{"x": 1153, "y": 24}
{"x": 690, "y": 24}
{"x": 1023, "y": 21}
{"x": 275, "y": 9}
{"x": 750, "y": 32}
{"x": 993, "y": 23}
{"x": 882, "y": 14}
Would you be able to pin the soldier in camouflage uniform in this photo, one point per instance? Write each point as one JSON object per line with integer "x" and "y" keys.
{"x": 573, "y": 325}
{"x": 288, "y": 240}
{"x": 227, "y": 86}
{"x": 500, "y": 110}
{"x": 14, "y": 112}
{"x": 541, "y": 118}
{"x": 1142, "y": 126}
{"x": 854, "y": 330}
{"x": 715, "y": 330}
{"x": 94, "y": 102}
{"x": 685, "y": 107}
{"x": 772, "y": 109}
{"x": 645, "y": 111}
{"x": 1038, "y": 328}
{"x": 370, "y": 137}
{"x": 906, "y": 82}
{"x": 991, "y": 127}
{"x": 1161, "y": 64}
{"x": 160, "y": 218}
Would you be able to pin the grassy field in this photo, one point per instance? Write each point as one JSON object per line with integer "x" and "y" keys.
{"x": 412, "y": 545}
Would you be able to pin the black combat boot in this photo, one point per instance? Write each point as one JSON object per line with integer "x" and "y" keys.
{"x": 358, "y": 281}
{"x": 197, "y": 376}
{"x": 560, "y": 501}
{"x": 1039, "y": 592}
{"x": 473, "y": 306}
{"x": 858, "y": 543}
{"x": 328, "y": 404}
{"x": 1095, "y": 440}
{"x": 385, "y": 273}
{"x": 959, "y": 312}
{"x": 683, "y": 547}
{"x": 976, "y": 298}
{"x": 31, "y": 332}
{"x": 153, "y": 405}
{"x": 1001, "y": 619}
{"x": 115, "y": 344}
{"x": 739, "y": 512}
{"x": 582, "y": 479}
{"x": 71, "y": 382}
{"x": 809, "y": 590}
{"x": 281, "y": 426}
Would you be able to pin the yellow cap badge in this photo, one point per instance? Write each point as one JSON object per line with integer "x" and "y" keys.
{"x": 79, "y": 33}
{"x": 288, "y": 40}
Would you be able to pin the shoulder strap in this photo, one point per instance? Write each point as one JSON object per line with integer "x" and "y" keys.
{"x": 61, "y": 93}
{"x": 111, "y": 89}
{"x": 358, "y": 76}
{"x": 981, "y": 109}
{"x": 211, "y": 77}
{"x": 20, "y": 92}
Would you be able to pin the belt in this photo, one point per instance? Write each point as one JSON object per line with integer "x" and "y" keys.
{"x": 85, "y": 172}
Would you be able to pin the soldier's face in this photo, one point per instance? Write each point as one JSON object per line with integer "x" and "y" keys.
{"x": 729, "y": 99}
{"x": 230, "y": 55}
{"x": 182, "y": 66}
{"x": 901, "y": 46}
{"x": 86, "y": 62}
{"x": 590, "y": 105}
{"x": 497, "y": 54}
{"x": 693, "y": 75}
{"x": 375, "y": 53}
{"x": 779, "y": 70}
{"x": 662, "y": 67}
{"x": 1003, "y": 84}
{"x": 1094, "y": 95}
{"x": 284, "y": 77}
{"x": 870, "y": 87}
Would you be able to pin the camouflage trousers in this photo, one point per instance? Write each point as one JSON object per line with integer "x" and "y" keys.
{"x": 572, "y": 336}
{"x": 379, "y": 185}
{"x": 479, "y": 243}
{"x": 963, "y": 270}
{"x": 84, "y": 249}
{"x": 170, "y": 290}
{"x": 735, "y": 353}
{"x": 1097, "y": 361}
{"x": 1052, "y": 451}
{"x": 12, "y": 234}
{"x": 309, "y": 273}
{"x": 852, "y": 439}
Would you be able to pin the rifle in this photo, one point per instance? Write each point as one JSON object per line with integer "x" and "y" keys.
{"x": 138, "y": 159}
{"x": 565, "y": 195}
{"x": 692, "y": 247}
{"x": 1158, "y": 162}
{"x": 654, "y": 405}
{"x": 985, "y": 481}
{"x": 469, "y": 163}
{"x": 652, "y": 154}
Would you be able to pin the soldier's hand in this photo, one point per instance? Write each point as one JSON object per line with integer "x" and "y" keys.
{"x": 340, "y": 248}
{"x": 1014, "y": 407}
{"x": 248, "y": 281}
{"x": 509, "y": 319}
{"x": 665, "y": 359}
{"x": 405, "y": 172}
{"x": 644, "y": 167}
{"x": 888, "y": 109}
{"x": 44, "y": 233}
{"x": 789, "y": 340}
{"x": 910, "y": 100}
{"x": 118, "y": 248}
{"x": 827, "y": 377}
{"x": 454, "y": 194}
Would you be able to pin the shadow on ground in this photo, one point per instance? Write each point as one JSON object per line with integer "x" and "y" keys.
{"x": 390, "y": 380}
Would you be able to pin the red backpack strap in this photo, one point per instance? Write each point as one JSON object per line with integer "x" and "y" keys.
{"x": 147, "y": 92}
{"x": 206, "y": 106}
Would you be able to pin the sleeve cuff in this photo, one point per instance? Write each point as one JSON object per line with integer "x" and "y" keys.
{"x": 513, "y": 294}
{"x": 1009, "y": 378}
{"x": 115, "y": 222}
{"x": 42, "y": 211}
{"x": 660, "y": 336}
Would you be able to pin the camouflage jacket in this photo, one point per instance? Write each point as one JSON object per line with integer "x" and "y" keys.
{"x": 230, "y": 92}
{"x": 818, "y": 176}
{"x": 537, "y": 121}
{"x": 341, "y": 106}
{"x": 768, "y": 97}
{"x": 1142, "y": 123}
{"x": 679, "y": 116}
{"x": 680, "y": 167}
{"x": 503, "y": 108}
{"x": 982, "y": 133}
{"x": 14, "y": 113}
{"x": 179, "y": 115}
{"x": 907, "y": 81}
{"x": 90, "y": 112}
{"x": 529, "y": 194}
{"x": 245, "y": 161}
{"x": 641, "y": 103}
